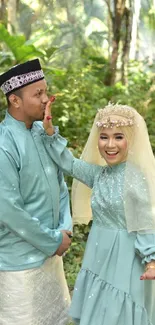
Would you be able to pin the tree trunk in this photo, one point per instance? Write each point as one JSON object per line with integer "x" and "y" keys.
{"x": 134, "y": 34}
{"x": 116, "y": 17}
{"x": 12, "y": 9}
{"x": 152, "y": 29}
{"x": 128, "y": 16}
{"x": 70, "y": 12}
{"x": 3, "y": 11}
{"x": 109, "y": 24}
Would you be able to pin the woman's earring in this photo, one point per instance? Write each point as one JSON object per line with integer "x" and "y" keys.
{"x": 130, "y": 152}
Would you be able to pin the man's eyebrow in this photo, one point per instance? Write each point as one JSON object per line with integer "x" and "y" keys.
{"x": 41, "y": 89}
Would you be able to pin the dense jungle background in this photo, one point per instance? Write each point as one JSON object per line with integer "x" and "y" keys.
{"x": 92, "y": 52}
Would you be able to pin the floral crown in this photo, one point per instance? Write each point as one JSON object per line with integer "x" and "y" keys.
{"x": 124, "y": 116}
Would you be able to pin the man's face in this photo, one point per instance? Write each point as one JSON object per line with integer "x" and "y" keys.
{"x": 33, "y": 101}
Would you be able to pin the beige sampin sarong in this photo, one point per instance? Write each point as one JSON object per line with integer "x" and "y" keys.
{"x": 37, "y": 296}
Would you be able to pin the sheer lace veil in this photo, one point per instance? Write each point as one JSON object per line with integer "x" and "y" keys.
{"x": 139, "y": 175}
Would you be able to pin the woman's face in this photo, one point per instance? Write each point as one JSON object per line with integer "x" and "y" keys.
{"x": 112, "y": 145}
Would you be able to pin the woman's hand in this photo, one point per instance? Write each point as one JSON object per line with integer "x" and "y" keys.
{"x": 47, "y": 122}
{"x": 149, "y": 273}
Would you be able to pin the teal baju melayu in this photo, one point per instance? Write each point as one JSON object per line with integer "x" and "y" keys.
{"x": 108, "y": 290}
{"x": 34, "y": 207}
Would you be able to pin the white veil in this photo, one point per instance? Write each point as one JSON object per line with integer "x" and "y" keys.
{"x": 81, "y": 194}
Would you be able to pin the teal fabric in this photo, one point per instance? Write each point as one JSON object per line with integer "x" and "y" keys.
{"x": 108, "y": 290}
{"x": 34, "y": 201}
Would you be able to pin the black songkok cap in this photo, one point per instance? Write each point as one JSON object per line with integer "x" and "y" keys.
{"x": 21, "y": 75}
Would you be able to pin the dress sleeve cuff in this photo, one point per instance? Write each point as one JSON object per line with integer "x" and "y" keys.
{"x": 148, "y": 259}
{"x": 145, "y": 247}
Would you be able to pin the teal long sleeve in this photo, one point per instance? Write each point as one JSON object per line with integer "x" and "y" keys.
{"x": 77, "y": 168}
{"x": 145, "y": 247}
{"x": 14, "y": 216}
{"x": 65, "y": 220}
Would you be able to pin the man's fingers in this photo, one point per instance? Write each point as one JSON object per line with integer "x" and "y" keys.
{"x": 48, "y": 109}
{"x": 48, "y": 117}
{"x": 52, "y": 99}
{"x": 69, "y": 233}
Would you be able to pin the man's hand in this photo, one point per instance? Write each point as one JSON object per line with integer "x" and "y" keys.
{"x": 65, "y": 243}
{"x": 47, "y": 122}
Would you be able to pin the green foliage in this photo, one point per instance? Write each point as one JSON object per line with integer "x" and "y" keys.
{"x": 16, "y": 44}
{"x": 18, "y": 50}
{"x": 80, "y": 92}
{"x": 79, "y": 95}
{"x": 73, "y": 258}
{"x": 148, "y": 12}
{"x": 150, "y": 121}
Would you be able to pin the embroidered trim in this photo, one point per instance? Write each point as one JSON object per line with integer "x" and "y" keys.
{"x": 108, "y": 123}
{"x": 21, "y": 80}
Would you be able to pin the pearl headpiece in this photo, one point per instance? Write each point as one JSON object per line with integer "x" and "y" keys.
{"x": 115, "y": 115}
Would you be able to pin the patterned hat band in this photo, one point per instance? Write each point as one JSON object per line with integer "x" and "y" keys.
{"x": 21, "y": 81}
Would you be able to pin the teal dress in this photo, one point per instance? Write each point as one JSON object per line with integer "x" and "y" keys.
{"x": 108, "y": 290}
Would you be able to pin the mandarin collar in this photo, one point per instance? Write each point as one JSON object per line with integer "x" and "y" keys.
{"x": 10, "y": 120}
{"x": 117, "y": 167}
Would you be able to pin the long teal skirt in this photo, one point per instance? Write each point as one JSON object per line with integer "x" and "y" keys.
{"x": 108, "y": 289}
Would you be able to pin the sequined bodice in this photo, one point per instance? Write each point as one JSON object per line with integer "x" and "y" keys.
{"x": 107, "y": 197}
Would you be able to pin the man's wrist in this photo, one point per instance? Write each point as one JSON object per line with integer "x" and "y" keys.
{"x": 50, "y": 130}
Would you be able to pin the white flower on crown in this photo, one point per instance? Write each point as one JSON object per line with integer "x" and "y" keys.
{"x": 115, "y": 115}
